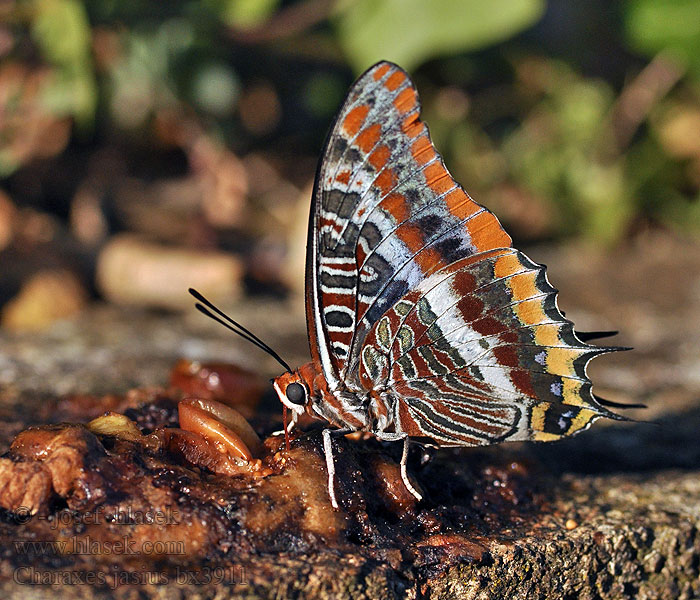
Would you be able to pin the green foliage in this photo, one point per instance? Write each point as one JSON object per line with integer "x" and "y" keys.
{"x": 532, "y": 135}
{"x": 323, "y": 95}
{"x": 666, "y": 25}
{"x": 555, "y": 154}
{"x": 215, "y": 89}
{"x": 248, "y": 13}
{"x": 165, "y": 65}
{"x": 557, "y": 170}
{"x": 62, "y": 31}
{"x": 140, "y": 80}
{"x": 409, "y": 32}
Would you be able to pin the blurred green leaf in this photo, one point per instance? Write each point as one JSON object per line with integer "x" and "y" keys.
{"x": 249, "y": 13}
{"x": 139, "y": 81}
{"x": 409, "y": 32}
{"x": 553, "y": 154}
{"x": 323, "y": 94}
{"x": 62, "y": 31}
{"x": 215, "y": 89}
{"x": 601, "y": 197}
{"x": 673, "y": 26}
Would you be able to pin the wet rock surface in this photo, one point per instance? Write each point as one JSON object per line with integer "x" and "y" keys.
{"x": 612, "y": 513}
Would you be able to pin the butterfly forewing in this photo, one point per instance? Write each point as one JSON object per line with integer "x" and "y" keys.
{"x": 416, "y": 291}
{"x": 386, "y": 213}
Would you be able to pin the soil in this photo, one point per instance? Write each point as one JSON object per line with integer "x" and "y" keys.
{"x": 612, "y": 513}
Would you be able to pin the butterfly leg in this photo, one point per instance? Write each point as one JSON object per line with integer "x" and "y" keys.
{"x": 330, "y": 465}
{"x": 404, "y": 474}
{"x": 395, "y": 437}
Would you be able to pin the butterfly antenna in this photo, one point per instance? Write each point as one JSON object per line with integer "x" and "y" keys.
{"x": 213, "y": 312}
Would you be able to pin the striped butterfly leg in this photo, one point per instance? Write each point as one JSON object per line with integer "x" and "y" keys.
{"x": 385, "y": 437}
{"x": 404, "y": 475}
{"x": 395, "y": 437}
{"x": 330, "y": 465}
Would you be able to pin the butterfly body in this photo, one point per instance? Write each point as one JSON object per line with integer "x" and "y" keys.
{"x": 424, "y": 321}
{"x": 339, "y": 407}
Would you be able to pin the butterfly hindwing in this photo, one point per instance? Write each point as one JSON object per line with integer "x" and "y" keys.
{"x": 482, "y": 333}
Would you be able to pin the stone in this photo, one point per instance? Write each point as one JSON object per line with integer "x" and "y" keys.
{"x": 131, "y": 270}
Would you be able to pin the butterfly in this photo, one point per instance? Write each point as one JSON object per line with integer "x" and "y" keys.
{"x": 424, "y": 321}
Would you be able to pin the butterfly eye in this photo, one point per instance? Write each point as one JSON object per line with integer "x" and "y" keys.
{"x": 296, "y": 393}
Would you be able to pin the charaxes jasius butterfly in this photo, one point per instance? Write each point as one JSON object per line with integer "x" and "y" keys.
{"x": 423, "y": 320}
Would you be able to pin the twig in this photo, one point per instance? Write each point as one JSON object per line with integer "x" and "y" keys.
{"x": 289, "y": 21}
{"x": 639, "y": 97}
